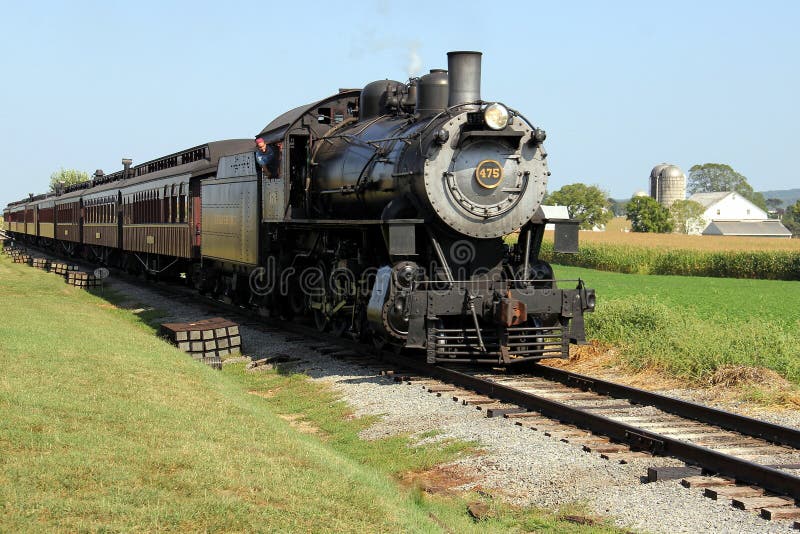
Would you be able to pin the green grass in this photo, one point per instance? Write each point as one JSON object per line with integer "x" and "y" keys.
{"x": 691, "y": 327}
{"x": 726, "y": 300}
{"x": 107, "y": 428}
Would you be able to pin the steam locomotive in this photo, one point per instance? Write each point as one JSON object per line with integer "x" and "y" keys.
{"x": 384, "y": 219}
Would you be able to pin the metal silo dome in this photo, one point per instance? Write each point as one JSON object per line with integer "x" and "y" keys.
{"x": 654, "y": 180}
{"x": 672, "y": 185}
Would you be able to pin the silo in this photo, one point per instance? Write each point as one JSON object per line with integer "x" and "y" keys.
{"x": 671, "y": 185}
{"x": 667, "y": 184}
{"x": 654, "y": 181}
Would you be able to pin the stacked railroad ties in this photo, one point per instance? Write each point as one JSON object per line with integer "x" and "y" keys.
{"x": 207, "y": 340}
{"x": 69, "y": 272}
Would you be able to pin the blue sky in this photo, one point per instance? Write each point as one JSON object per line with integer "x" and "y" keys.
{"x": 618, "y": 86}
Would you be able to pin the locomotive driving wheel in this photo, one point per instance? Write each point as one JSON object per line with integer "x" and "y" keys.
{"x": 315, "y": 282}
{"x": 339, "y": 324}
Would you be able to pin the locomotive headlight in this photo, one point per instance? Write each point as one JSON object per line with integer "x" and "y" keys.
{"x": 496, "y": 116}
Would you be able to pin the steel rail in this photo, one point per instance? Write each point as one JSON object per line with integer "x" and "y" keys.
{"x": 690, "y": 410}
{"x": 766, "y": 477}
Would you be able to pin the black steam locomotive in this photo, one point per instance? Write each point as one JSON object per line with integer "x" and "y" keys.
{"x": 384, "y": 218}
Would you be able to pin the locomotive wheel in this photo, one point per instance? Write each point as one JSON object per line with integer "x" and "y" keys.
{"x": 321, "y": 321}
{"x": 319, "y": 303}
{"x": 339, "y": 325}
{"x": 295, "y": 302}
{"x": 379, "y": 341}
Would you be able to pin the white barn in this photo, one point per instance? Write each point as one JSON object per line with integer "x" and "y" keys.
{"x": 729, "y": 213}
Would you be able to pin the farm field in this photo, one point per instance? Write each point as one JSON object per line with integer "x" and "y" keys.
{"x": 106, "y": 427}
{"x": 615, "y": 235}
{"x": 695, "y": 328}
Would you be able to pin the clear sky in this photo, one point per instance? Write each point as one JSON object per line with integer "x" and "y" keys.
{"x": 618, "y": 86}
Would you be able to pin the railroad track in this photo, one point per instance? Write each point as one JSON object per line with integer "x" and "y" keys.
{"x": 753, "y": 463}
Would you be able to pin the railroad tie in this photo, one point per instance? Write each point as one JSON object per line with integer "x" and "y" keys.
{"x": 623, "y": 457}
{"x": 610, "y": 447}
{"x": 744, "y": 451}
{"x": 521, "y": 415}
{"x": 701, "y": 435}
{"x": 533, "y": 422}
{"x": 408, "y": 379}
{"x": 490, "y": 406}
{"x": 500, "y": 412}
{"x": 566, "y": 431}
{"x": 654, "y": 474}
{"x": 604, "y": 408}
{"x": 393, "y": 372}
{"x": 589, "y": 439}
{"x": 702, "y": 481}
{"x": 729, "y": 492}
{"x": 440, "y": 389}
{"x": 474, "y": 401}
{"x": 753, "y": 503}
{"x": 540, "y": 427}
{"x": 784, "y": 512}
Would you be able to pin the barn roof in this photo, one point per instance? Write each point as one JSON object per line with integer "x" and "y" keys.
{"x": 767, "y": 228}
{"x": 709, "y": 199}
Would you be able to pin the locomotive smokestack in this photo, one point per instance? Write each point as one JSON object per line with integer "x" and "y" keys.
{"x": 464, "y": 73}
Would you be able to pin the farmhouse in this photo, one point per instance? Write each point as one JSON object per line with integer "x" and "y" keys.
{"x": 729, "y": 213}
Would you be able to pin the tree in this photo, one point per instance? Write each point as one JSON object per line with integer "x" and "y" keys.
{"x": 686, "y": 214}
{"x": 588, "y": 204}
{"x": 647, "y": 215}
{"x": 791, "y": 218}
{"x": 715, "y": 177}
{"x": 617, "y": 207}
{"x": 68, "y": 176}
{"x": 774, "y": 203}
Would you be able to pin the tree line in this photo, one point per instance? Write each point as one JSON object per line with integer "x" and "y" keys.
{"x": 593, "y": 208}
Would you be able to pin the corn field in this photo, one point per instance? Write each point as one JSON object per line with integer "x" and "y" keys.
{"x": 626, "y": 258}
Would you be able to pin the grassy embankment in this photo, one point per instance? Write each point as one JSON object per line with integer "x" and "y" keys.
{"x": 106, "y": 427}
{"x": 698, "y": 328}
